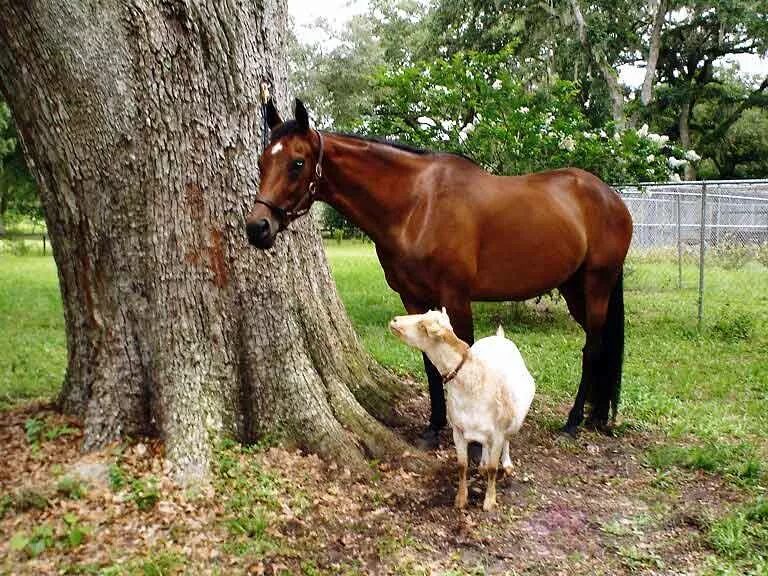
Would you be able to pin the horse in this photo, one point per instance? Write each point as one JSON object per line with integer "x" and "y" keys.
{"x": 448, "y": 233}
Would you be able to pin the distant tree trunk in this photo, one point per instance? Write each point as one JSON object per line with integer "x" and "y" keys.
{"x": 646, "y": 92}
{"x": 142, "y": 125}
{"x": 609, "y": 74}
{"x": 685, "y": 131}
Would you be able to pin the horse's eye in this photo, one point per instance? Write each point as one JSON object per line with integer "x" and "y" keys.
{"x": 297, "y": 164}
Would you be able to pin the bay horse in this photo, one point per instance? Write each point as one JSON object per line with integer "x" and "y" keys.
{"x": 448, "y": 233}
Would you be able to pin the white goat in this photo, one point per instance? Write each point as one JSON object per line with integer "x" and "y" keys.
{"x": 489, "y": 391}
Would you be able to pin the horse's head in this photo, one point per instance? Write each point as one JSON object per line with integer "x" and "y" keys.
{"x": 290, "y": 171}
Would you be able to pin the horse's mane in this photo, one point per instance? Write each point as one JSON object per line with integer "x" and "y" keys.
{"x": 291, "y": 127}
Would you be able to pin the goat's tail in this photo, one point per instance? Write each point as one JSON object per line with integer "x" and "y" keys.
{"x": 500, "y": 331}
{"x": 607, "y": 389}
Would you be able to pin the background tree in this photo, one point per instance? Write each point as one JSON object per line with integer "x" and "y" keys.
{"x": 143, "y": 127}
{"x": 18, "y": 194}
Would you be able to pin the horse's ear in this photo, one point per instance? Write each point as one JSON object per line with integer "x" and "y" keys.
{"x": 273, "y": 116}
{"x": 300, "y": 113}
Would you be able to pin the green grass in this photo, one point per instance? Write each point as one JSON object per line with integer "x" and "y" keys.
{"x": 32, "y": 342}
{"x": 703, "y": 391}
{"x": 711, "y": 384}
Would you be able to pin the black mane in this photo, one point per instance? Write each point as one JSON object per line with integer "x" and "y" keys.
{"x": 292, "y": 127}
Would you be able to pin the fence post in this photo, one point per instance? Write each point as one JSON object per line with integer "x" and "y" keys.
{"x": 679, "y": 244}
{"x": 702, "y": 249}
{"x": 43, "y": 244}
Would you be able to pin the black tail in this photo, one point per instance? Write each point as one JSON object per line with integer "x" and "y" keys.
{"x": 606, "y": 391}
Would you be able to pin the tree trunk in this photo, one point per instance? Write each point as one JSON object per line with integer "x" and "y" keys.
{"x": 597, "y": 55}
{"x": 685, "y": 130}
{"x": 646, "y": 93}
{"x": 142, "y": 124}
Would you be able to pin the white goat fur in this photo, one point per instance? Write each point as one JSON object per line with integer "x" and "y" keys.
{"x": 488, "y": 398}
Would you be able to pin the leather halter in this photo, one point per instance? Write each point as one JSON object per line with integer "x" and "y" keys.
{"x": 452, "y": 374}
{"x": 284, "y": 215}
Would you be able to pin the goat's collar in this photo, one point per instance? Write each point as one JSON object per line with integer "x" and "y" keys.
{"x": 452, "y": 374}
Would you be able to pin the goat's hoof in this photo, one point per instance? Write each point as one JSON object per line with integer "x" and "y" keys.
{"x": 429, "y": 439}
{"x": 461, "y": 502}
{"x": 489, "y": 505}
{"x": 508, "y": 470}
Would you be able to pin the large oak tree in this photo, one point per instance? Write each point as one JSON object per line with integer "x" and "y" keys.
{"x": 142, "y": 125}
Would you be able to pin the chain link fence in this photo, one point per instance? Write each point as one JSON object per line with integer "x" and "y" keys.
{"x": 705, "y": 238}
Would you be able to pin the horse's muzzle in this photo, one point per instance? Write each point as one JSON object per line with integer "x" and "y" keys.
{"x": 260, "y": 233}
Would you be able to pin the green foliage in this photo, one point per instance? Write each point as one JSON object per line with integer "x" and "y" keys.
{"x": 118, "y": 478}
{"x": 472, "y": 104}
{"x": 144, "y": 492}
{"x": 743, "y": 535}
{"x": 250, "y": 499}
{"x": 67, "y": 534}
{"x": 740, "y": 463}
{"x": 38, "y": 430}
{"x": 732, "y": 254}
{"x": 18, "y": 193}
{"x": 71, "y": 488}
{"x": 732, "y": 326}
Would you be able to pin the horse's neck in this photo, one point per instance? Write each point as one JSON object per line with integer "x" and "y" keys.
{"x": 364, "y": 181}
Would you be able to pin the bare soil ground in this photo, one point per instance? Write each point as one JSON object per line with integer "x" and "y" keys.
{"x": 585, "y": 506}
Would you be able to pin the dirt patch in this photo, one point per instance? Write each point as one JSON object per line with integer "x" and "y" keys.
{"x": 587, "y": 506}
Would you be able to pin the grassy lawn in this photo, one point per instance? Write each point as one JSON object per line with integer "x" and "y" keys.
{"x": 713, "y": 383}
{"x": 33, "y": 349}
{"x": 691, "y": 450}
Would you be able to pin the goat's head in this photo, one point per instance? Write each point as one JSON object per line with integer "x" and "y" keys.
{"x": 422, "y": 331}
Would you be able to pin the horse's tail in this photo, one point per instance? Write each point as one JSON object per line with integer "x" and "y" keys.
{"x": 607, "y": 392}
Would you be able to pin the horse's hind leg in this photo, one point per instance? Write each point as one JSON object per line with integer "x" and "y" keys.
{"x": 587, "y": 295}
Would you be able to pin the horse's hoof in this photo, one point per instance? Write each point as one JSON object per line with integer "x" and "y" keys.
{"x": 569, "y": 431}
{"x": 599, "y": 425}
{"x": 429, "y": 439}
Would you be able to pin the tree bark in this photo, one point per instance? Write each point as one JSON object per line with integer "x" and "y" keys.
{"x": 646, "y": 92}
{"x": 609, "y": 74}
{"x": 685, "y": 129}
{"x": 142, "y": 124}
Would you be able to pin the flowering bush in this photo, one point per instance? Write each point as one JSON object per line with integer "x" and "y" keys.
{"x": 472, "y": 104}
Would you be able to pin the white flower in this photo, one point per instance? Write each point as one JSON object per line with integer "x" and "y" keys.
{"x": 568, "y": 143}
{"x": 426, "y": 120}
{"x": 589, "y": 135}
{"x": 675, "y": 177}
{"x": 617, "y": 137}
{"x": 675, "y": 163}
{"x": 549, "y": 118}
{"x": 650, "y": 158}
{"x": 448, "y": 125}
{"x": 496, "y": 84}
{"x": 523, "y": 110}
{"x": 691, "y": 156}
{"x": 658, "y": 139}
{"x": 603, "y": 134}
{"x": 643, "y": 130}
{"x": 587, "y": 103}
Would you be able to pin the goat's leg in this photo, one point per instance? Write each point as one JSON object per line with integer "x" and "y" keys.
{"x": 484, "y": 459}
{"x": 506, "y": 461}
{"x": 461, "y": 454}
{"x": 497, "y": 444}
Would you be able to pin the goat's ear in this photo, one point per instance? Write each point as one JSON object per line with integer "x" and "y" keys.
{"x": 433, "y": 328}
{"x": 301, "y": 115}
{"x": 273, "y": 116}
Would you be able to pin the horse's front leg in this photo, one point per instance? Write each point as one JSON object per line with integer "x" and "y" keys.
{"x": 430, "y": 437}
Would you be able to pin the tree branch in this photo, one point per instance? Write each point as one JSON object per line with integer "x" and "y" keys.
{"x": 646, "y": 93}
